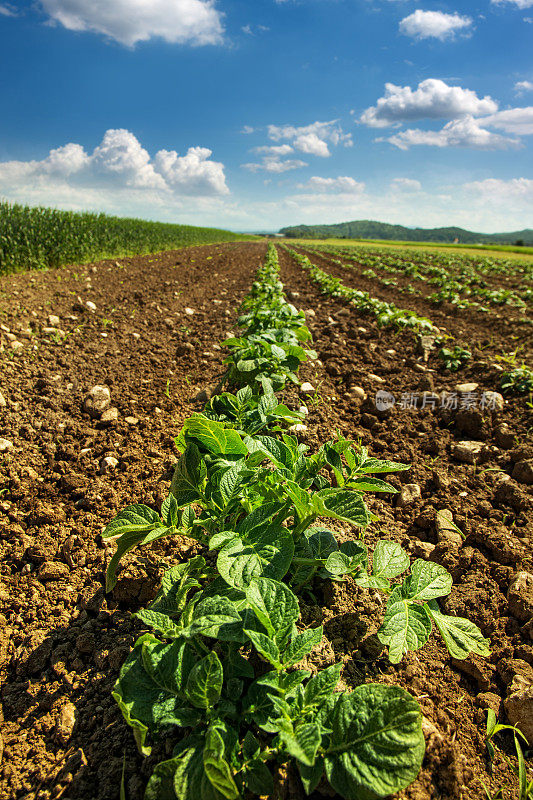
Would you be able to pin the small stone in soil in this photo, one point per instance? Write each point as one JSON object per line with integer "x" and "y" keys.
{"x": 65, "y": 723}
{"x": 109, "y": 415}
{"x": 108, "y": 463}
{"x": 410, "y": 493}
{"x": 97, "y": 400}
{"x": 307, "y": 388}
{"x": 5, "y": 445}
{"x": 523, "y": 471}
{"x": 520, "y": 596}
{"x": 465, "y": 388}
{"x": 467, "y": 452}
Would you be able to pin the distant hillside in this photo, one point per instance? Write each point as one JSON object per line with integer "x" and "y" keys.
{"x": 367, "y": 229}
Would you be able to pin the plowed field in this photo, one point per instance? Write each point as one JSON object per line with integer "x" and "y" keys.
{"x": 152, "y": 336}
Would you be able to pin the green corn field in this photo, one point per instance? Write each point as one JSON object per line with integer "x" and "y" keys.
{"x": 40, "y": 238}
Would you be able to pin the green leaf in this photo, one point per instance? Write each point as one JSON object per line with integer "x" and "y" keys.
{"x": 389, "y": 560}
{"x": 204, "y": 684}
{"x": 337, "y": 564}
{"x": 360, "y": 484}
{"x": 258, "y": 779}
{"x": 190, "y": 779}
{"x": 168, "y": 665}
{"x": 461, "y": 636}
{"x": 266, "y": 515}
{"x": 232, "y": 480}
{"x": 170, "y": 511}
{"x": 189, "y": 476}
{"x": 302, "y": 645}
{"x": 133, "y": 519}
{"x": 159, "y": 622}
{"x": 265, "y": 646}
{"x": 216, "y": 767}
{"x": 175, "y": 585}
{"x": 406, "y": 626}
{"x": 302, "y": 500}
{"x": 310, "y": 776}
{"x": 427, "y": 581}
{"x": 274, "y": 449}
{"x": 342, "y": 504}
{"x": 217, "y": 617}
{"x": 376, "y": 746}
{"x": 275, "y": 606}
{"x": 322, "y": 685}
{"x": 161, "y": 783}
{"x": 250, "y": 746}
{"x": 213, "y": 436}
{"x": 376, "y": 465}
{"x": 149, "y": 690}
{"x": 270, "y": 554}
{"x": 303, "y": 743}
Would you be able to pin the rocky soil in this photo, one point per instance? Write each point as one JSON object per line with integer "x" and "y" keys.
{"x": 99, "y": 367}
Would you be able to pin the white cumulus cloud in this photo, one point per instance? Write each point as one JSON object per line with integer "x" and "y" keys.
{"x": 518, "y": 3}
{"x": 193, "y": 173}
{"x": 432, "y": 99}
{"x": 196, "y": 22}
{"x": 7, "y": 10}
{"x": 118, "y": 176}
{"x": 274, "y": 150}
{"x": 465, "y": 132}
{"x": 513, "y": 120}
{"x": 343, "y": 184}
{"x": 405, "y": 185}
{"x": 312, "y": 139}
{"x": 523, "y": 86}
{"x": 273, "y": 163}
{"x": 495, "y": 190}
{"x": 434, "y": 24}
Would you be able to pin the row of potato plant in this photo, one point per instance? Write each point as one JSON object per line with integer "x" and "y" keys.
{"x": 463, "y": 275}
{"x": 515, "y": 381}
{"x": 385, "y": 313}
{"x": 222, "y": 661}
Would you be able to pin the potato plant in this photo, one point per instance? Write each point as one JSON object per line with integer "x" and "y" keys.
{"x": 221, "y": 665}
{"x": 385, "y": 313}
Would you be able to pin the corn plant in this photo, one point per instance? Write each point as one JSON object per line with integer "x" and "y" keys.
{"x": 38, "y": 238}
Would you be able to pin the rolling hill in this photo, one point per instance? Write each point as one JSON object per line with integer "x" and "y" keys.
{"x": 368, "y": 229}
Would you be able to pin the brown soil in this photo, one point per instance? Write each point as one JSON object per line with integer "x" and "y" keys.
{"x": 499, "y": 330}
{"x": 62, "y": 640}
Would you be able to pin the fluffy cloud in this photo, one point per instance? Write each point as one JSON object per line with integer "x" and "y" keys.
{"x": 433, "y": 99}
{"x": 312, "y": 139}
{"x": 517, "y": 3}
{"x": 405, "y": 185}
{"x": 193, "y": 173}
{"x": 272, "y": 162}
{"x": 195, "y": 22}
{"x": 523, "y": 86}
{"x": 274, "y": 150}
{"x": 342, "y": 185}
{"x": 494, "y": 190}
{"x": 118, "y": 176}
{"x": 434, "y": 24}
{"x": 465, "y": 132}
{"x": 490, "y": 205}
{"x": 513, "y": 120}
{"x": 7, "y": 10}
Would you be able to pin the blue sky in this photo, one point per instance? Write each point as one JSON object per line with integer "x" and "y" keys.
{"x": 257, "y": 115}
